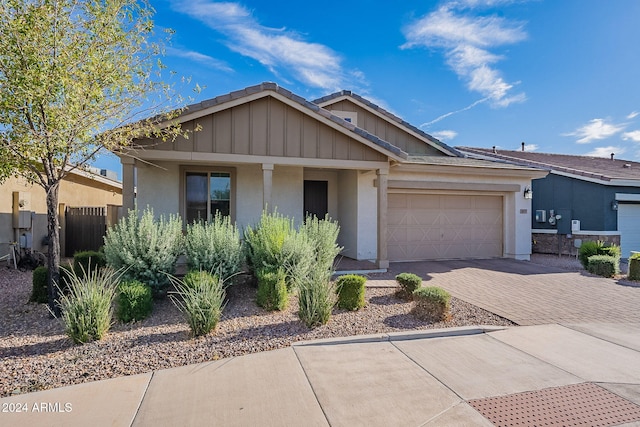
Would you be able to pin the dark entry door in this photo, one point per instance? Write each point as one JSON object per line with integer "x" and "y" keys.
{"x": 315, "y": 198}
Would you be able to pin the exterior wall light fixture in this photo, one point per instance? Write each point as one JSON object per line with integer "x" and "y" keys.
{"x": 614, "y": 205}
{"x": 528, "y": 193}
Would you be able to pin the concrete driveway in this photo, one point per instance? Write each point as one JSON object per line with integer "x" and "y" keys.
{"x": 528, "y": 293}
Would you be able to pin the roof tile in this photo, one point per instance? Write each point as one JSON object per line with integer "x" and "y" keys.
{"x": 389, "y": 115}
{"x": 600, "y": 168}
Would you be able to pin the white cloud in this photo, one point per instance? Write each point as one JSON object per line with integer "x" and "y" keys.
{"x": 633, "y": 115}
{"x": 466, "y": 40}
{"x": 279, "y": 50}
{"x": 531, "y": 147}
{"x": 606, "y": 151}
{"x": 200, "y": 57}
{"x": 633, "y": 135}
{"x": 480, "y": 3}
{"x": 596, "y": 129}
{"x": 445, "y": 135}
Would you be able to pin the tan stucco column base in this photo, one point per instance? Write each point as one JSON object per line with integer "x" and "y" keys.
{"x": 382, "y": 259}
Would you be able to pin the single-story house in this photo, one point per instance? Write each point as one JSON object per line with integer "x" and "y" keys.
{"x": 23, "y": 206}
{"x": 582, "y": 198}
{"x": 397, "y": 193}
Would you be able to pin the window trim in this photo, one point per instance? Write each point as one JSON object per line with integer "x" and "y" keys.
{"x": 184, "y": 169}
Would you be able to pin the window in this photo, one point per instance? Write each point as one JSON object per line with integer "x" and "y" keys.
{"x": 349, "y": 116}
{"x": 206, "y": 194}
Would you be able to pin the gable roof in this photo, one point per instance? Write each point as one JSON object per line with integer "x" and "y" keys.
{"x": 250, "y": 93}
{"x": 603, "y": 170}
{"x": 388, "y": 116}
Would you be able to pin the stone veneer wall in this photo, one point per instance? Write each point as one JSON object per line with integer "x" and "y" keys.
{"x": 543, "y": 243}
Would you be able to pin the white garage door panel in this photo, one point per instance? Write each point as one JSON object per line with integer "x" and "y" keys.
{"x": 444, "y": 226}
{"x": 629, "y": 227}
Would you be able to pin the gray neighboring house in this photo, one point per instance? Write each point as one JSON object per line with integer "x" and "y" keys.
{"x": 596, "y": 199}
{"x": 398, "y": 193}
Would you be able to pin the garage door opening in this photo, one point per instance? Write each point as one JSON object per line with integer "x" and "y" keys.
{"x": 439, "y": 226}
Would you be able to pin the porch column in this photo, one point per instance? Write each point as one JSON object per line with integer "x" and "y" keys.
{"x": 267, "y": 184}
{"x": 128, "y": 184}
{"x": 382, "y": 261}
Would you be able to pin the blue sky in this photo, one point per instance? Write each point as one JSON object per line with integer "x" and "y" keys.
{"x": 560, "y": 75}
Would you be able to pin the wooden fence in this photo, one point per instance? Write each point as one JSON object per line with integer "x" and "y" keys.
{"x": 85, "y": 227}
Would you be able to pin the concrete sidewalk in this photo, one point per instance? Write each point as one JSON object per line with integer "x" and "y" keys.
{"x": 448, "y": 377}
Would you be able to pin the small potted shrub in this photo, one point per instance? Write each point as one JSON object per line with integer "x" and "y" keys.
{"x": 39, "y": 292}
{"x": 272, "y": 289}
{"x": 634, "y": 266}
{"x": 431, "y": 304}
{"x": 408, "y": 282}
{"x": 88, "y": 260}
{"x": 603, "y": 265}
{"x": 350, "y": 289}
{"x": 134, "y": 301}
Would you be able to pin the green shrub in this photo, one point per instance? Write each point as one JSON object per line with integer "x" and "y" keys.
{"x": 297, "y": 259}
{"x": 272, "y": 290}
{"x": 39, "y": 291}
{"x": 134, "y": 301}
{"x": 322, "y": 234}
{"x": 350, "y": 288}
{"x": 431, "y": 303}
{"x": 195, "y": 277}
{"x": 264, "y": 242}
{"x": 201, "y": 300}
{"x": 634, "y": 267}
{"x": 86, "y": 308}
{"x": 95, "y": 259}
{"x": 408, "y": 282}
{"x": 612, "y": 250}
{"x": 274, "y": 243}
{"x": 145, "y": 248}
{"x": 603, "y": 265}
{"x": 587, "y": 249}
{"x": 591, "y": 248}
{"x": 214, "y": 246}
{"x": 316, "y": 297}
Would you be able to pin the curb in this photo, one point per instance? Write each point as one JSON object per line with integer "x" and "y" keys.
{"x": 404, "y": 336}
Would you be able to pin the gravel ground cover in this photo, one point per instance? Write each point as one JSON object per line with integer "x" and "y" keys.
{"x": 35, "y": 354}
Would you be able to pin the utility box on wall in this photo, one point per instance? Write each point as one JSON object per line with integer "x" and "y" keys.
{"x": 21, "y": 209}
{"x": 575, "y": 225}
{"x": 541, "y": 216}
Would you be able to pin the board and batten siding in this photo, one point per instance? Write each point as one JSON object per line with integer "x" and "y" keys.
{"x": 385, "y": 130}
{"x": 267, "y": 127}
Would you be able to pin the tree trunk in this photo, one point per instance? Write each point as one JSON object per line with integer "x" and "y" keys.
{"x": 53, "y": 259}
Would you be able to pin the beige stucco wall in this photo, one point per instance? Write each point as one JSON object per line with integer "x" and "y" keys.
{"x": 248, "y": 194}
{"x": 159, "y": 186}
{"x": 348, "y": 212}
{"x": 288, "y": 191}
{"x": 75, "y": 191}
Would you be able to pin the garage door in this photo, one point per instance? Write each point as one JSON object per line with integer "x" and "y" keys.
{"x": 629, "y": 228}
{"x": 422, "y": 226}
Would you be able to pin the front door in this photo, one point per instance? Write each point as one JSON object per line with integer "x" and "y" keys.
{"x": 315, "y": 199}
